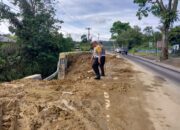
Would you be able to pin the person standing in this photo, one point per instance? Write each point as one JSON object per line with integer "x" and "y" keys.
{"x": 103, "y": 58}
{"x": 96, "y": 59}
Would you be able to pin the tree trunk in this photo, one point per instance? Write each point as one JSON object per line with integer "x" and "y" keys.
{"x": 165, "y": 44}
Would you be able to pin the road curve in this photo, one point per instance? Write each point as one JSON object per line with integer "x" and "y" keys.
{"x": 164, "y": 72}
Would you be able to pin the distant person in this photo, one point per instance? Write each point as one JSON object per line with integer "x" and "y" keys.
{"x": 103, "y": 59}
{"x": 96, "y": 59}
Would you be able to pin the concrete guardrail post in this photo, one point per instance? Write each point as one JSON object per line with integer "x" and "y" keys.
{"x": 63, "y": 66}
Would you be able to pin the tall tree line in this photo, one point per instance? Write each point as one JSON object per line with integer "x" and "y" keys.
{"x": 38, "y": 39}
{"x": 134, "y": 37}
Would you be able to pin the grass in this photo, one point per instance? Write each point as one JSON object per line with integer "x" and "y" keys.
{"x": 151, "y": 56}
{"x": 85, "y": 46}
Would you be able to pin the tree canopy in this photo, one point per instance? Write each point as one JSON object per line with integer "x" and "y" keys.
{"x": 118, "y": 27}
{"x": 174, "y": 35}
{"x": 125, "y": 35}
{"x": 37, "y": 35}
{"x": 84, "y": 38}
{"x": 133, "y": 37}
{"x": 167, "y": 13}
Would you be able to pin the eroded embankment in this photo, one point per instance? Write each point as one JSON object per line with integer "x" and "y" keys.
{"x": 76, "y": 103}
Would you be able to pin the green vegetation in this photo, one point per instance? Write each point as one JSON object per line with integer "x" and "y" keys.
{"x": 123, "y": 33}
{"x": 167, "y": 13}
{"x": 174, "y": 35}
{"x": 84, "y": 38}
{"x": 84, "y": 45}
{"x": 127, "y": 36}
{"x": 38, "y": 40}
{"x": 135, "y": 39}
{"x": 174, "y": 39}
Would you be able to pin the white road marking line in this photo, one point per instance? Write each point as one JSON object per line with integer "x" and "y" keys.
{"x": 108, "y": 104}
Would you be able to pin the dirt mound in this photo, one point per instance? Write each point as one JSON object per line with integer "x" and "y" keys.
{"x": 79, "y": 67}
{"x": 40, "y": 105}
{"x": 76, "y": 103}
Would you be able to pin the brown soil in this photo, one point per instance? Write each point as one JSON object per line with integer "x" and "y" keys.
{"x": 173, "y": 61}
{"x": 78, "y": 102}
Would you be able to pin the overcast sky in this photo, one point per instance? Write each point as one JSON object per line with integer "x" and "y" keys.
{"x": 97, "y": 14}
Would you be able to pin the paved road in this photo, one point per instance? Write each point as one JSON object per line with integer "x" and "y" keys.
{"x": 164, "y": 72}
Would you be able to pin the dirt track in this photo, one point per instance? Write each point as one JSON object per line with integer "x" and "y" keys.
{"x": 116, "y": 102}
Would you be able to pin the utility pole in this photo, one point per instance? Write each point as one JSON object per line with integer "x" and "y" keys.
{"x": 98, "y": 36}
{"x": 88, "y": 32}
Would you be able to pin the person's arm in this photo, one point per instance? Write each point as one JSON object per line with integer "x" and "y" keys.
{"x": 99, "y": 55}
{"x": 99, "y": 58}
{"x": 92, "y": 59}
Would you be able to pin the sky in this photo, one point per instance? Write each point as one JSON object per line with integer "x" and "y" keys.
{"x": 96, "y": 14}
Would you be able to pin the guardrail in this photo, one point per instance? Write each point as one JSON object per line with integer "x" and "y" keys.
{"x": 35, "y": 76}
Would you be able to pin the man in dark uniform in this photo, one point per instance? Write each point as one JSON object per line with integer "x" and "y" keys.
{"x": 96, "y": 59}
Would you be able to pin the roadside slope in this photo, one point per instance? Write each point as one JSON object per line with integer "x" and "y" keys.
{"x": 79, "y": 102}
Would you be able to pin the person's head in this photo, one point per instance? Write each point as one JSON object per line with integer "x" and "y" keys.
{"x": 94, "y": 44}
{"x": 101, "y": 43}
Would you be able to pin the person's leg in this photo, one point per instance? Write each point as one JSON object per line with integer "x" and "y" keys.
{"x": 95, "y": 67}
{"x": 102, "y": 65}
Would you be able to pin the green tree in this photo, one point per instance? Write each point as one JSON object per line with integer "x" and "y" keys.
{"x": 137, "y": 28}
{"x": 125, "y": 35}
{"x": 148, "y": 30}
{"x": 118, "y": 27}
{"x": 148, "y": 35}
{"x": 167, "y": 13}
{"x": 84, "y": 38}
{"x": 136, "y": 37}
{"x": 157, "y": 36}
{"x": 37, "y": 34}
{"x": 69, "y": 44}
{"x": 174, "y": 35}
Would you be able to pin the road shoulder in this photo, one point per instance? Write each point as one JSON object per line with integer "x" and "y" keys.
{"x": 161, "y": 100}
{"x": 167, "y": 66}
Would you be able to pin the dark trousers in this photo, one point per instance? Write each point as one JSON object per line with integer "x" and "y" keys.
{"x": 103, "y": 60}
{"x": 95, "y": 67}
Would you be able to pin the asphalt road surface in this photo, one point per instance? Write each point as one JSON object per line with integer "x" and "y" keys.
{"x": 161, "y": 71}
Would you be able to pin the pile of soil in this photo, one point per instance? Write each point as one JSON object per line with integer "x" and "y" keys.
{"x": 78, "y": 67}
{"x": 75, "y": 103}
